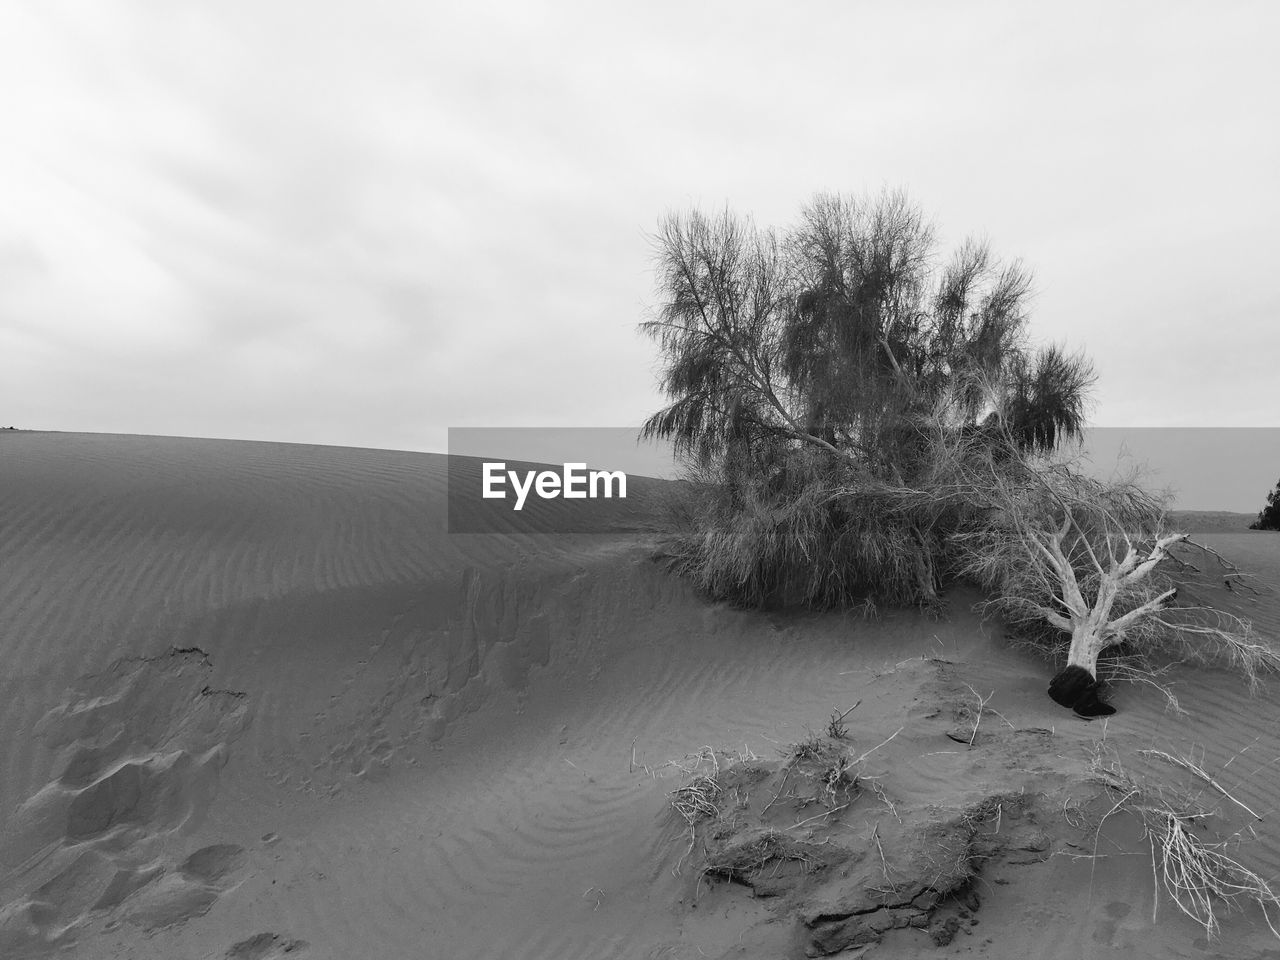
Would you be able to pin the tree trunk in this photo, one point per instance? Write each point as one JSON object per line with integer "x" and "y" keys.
{"x": 1076, "y": 685}
{"x": 1092, "y": 625}
{"x": 1087, "y": 642}
{"x": 926, "y": 575}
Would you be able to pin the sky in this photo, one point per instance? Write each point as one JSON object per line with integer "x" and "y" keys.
{"x": 365, "y": 223}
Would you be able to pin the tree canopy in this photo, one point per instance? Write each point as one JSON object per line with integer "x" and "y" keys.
{"x": 812, "y": 370}
{"x": 843, "y": 329}
{"x": 1269, "y": 516}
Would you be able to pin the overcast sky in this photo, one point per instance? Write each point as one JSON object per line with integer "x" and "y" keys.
{"x": 361, "y": 223}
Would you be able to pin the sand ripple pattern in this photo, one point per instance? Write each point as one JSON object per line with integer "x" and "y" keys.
{"x": 258, "y": 703}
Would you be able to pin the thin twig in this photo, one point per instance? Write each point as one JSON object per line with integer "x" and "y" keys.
{"x": 849, "y": 711}
{"x": 878, "y": 746}
{"x": 884, "y": 864}
{"x": 1200, "y": 772}
{"x": 824, "y": 813}
{"x": 982, "y": 706}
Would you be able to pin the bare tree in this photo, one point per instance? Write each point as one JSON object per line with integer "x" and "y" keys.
{"x": 1095, "y": 565}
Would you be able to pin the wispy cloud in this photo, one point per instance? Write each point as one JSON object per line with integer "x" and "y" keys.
{"x": 362, "y": 223}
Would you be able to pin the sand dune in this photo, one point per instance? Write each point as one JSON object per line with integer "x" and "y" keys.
{"x": 258, "y": 704}
{"x": 1212, "y": 521}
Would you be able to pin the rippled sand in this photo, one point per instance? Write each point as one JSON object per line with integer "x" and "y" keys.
{"x": 258, "y": 704}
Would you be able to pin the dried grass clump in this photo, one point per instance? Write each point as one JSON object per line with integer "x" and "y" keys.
{"x": 816, "y": 749}
{"x": 838, "y": 782}
{"x": 747, "y": 855}
{"x": 702, "y": 796}
{"x": 698, "y": 799}
{"x": 804, "y": 528}
{"x": 836, "y": 728}
{"x": 837, "y": 774}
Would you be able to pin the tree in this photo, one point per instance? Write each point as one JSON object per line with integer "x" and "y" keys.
{"x": 862, "y": 423}
{"x": 1269, "y": 517}
{"x": 806, "y": 371}
{"x": 1092, "y": 566}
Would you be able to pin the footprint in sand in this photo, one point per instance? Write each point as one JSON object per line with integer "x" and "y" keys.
{"x": 137, "y": 754}
{"x": 190, "y": 889}
{"x": 266, "y": 946}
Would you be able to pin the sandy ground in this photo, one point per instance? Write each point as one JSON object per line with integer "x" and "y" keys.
{"x": 257, "y": 704}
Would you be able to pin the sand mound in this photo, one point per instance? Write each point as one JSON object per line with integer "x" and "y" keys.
{"x": 845, "y": 856}
{"x": 258, "y": 703}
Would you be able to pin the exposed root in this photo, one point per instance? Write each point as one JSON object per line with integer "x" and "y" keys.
{"x": 1199, "y": 772}
{"x": 1200, "y": 876}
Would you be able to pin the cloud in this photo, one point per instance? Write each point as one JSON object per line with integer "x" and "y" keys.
{"x": 364, "y": 223}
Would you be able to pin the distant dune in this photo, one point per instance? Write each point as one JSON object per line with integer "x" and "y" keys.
{"x": 258, "y": 704}
{"x": 1212, "y": 521}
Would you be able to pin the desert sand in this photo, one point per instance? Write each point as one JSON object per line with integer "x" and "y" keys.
{"x": 257, "y": 703}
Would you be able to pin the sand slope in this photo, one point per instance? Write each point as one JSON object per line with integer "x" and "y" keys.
{"x": 258, "y": 704}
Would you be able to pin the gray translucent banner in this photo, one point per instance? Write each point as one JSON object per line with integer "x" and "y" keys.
{"x": 1204, "y": 468}
{"x": 1210, "y": 470}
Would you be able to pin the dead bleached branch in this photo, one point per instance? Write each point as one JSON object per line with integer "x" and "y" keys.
{"x": 1091, "y": 565}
